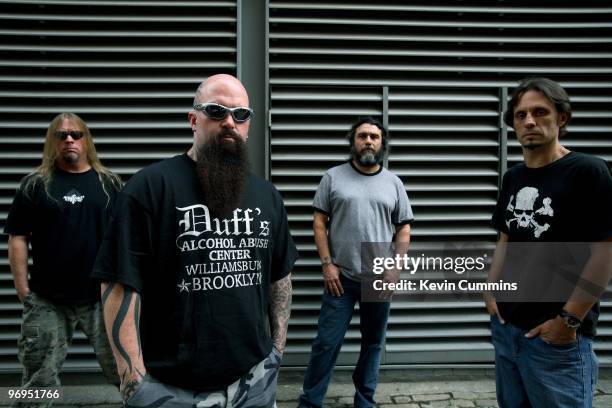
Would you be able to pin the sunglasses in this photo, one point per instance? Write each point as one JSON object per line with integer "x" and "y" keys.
{"x": 63, "y": 134}
{"x": 219, "y": 112}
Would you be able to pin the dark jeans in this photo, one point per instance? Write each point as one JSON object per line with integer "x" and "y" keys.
{"x": 533, "y": 373}
{"x": 334, "y": 320}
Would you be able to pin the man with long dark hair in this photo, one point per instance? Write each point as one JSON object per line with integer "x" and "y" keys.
{"x": 362, "y": 202}
{"x": 61, "y": 210}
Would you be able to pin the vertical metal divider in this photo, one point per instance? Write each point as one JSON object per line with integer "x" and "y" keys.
{"x": 503, "y": 135}
{"x": 385, "y": 110}
{"x": 251, "y": 68}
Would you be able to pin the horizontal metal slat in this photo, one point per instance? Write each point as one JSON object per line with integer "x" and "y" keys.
{"x": 431, "y": 8}
{"x": 65, "y": 63}
{"x": 101, "y": 125}
{"x": 414, "y": 186}
{"x": 397, "y": 67}
{"x": 433, "y": 96}
{"x": 407, "y": 52}
{"x": 541, "y": 25}
{"x": 119, "y": 49}
{"x": 96, "y": 80}
{"x": 327, "y": 80}
{"x": 114, "y": 18}
{"x": 425, "y": 37}
{"x": 116, "y": 139}
{"x": 120, "y": 3}
{"x": 137, "y": 33}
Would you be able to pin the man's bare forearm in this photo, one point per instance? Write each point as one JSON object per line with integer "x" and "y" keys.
{"x": 320, "y": 236}
{"x": 593, "y": 280}
{"x": 499, "y": 257}
{"x": 402, "y": 239}
{"x": 280, "y": 310}
{"x": 122, "y": 320}
{"x": 18, "y": 259}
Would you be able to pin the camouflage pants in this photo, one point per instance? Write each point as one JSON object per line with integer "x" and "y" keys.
{"x": 46, "y": 334}
{"x": 256, "y": 389}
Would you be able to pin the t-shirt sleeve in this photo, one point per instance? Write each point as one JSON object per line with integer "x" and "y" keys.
{"x": 21, "y": 215}
{"x": 126, "y": 249}
{"x": 284, "y": 253}
{"x": 402, "y": 213}
{"x": 498, "y": 219}
{"x": 321, "y": 202}
{"x": 600, "y": 200}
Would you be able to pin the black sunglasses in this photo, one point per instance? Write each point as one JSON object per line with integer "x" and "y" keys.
{"x": 63, "y": 134}
{"x": 219, "y": 112}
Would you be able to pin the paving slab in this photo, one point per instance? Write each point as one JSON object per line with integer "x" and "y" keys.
{"x": 459, "y": 393}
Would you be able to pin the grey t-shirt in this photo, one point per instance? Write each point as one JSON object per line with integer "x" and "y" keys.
{"x": 361, "y": 208}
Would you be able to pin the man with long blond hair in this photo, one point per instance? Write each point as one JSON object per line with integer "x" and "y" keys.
{"x": 61, "y": 210}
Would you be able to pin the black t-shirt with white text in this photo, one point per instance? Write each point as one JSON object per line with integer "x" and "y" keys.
{"x": 65, "y": 228}
{"x": 566, "y": 201}
{"x": 203, "y": 281}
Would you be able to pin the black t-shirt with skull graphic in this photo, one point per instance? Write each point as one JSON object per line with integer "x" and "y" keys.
{"x": 568, "y": 200}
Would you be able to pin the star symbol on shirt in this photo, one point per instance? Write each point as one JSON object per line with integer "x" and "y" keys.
{"x": 183, "y": 286}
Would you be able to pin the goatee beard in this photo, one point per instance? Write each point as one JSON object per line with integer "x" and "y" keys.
{"x": 222, "y": 168}
{"x": 70, "y": 158}
{"x": 367, "y": 159}
{"x": 531, "y": 146}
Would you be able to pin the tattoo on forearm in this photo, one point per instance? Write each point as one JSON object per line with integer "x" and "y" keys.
{"x": 107, "y": 292}
{"x": 121, "y": 313}
{"x": 137, "y": 323}
{"x": 280, "y": 310}
{"x": 129, "y": 387}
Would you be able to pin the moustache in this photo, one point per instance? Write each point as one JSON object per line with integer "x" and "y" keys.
{"x": 231, "y": 134}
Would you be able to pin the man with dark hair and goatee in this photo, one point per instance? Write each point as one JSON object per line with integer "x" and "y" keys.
{"x": 196, "y": 269}
{"x": 551, "y": 207}
{"x": 362, "y": 202}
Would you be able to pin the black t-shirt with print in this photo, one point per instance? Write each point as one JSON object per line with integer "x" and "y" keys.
{"x": 65, "y": 228}
{"x": 203, "y": 282}
{"x": 569, "y": 201}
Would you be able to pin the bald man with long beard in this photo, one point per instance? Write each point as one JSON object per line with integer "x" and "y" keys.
{"x": 196, "y": 269}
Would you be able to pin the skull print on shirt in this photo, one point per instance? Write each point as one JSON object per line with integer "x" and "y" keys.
{"x": 529, "y": 211}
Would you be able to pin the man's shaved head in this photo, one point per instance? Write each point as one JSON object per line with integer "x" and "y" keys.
{"x": 221, "y": 85}
{"x": 219, "y": 145}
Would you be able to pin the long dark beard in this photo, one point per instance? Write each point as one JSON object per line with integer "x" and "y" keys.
{"x": 222, "y": 169}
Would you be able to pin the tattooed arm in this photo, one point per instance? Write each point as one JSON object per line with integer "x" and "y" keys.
{"x": 280, "y": 310}
{"x": 122, "y": 320}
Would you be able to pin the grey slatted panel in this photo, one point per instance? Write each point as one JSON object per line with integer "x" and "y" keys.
{"x": 308, "y": 127}
{"x": 444, "y": 63}
{"x": 129, "y": 69}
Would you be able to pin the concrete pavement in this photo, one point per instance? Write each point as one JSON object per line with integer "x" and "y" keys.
{"x": 398, "y": 389}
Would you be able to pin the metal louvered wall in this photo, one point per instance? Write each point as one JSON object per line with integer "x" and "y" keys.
{"x": 439, "y": 72}
{"x": 129, "y": 69}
